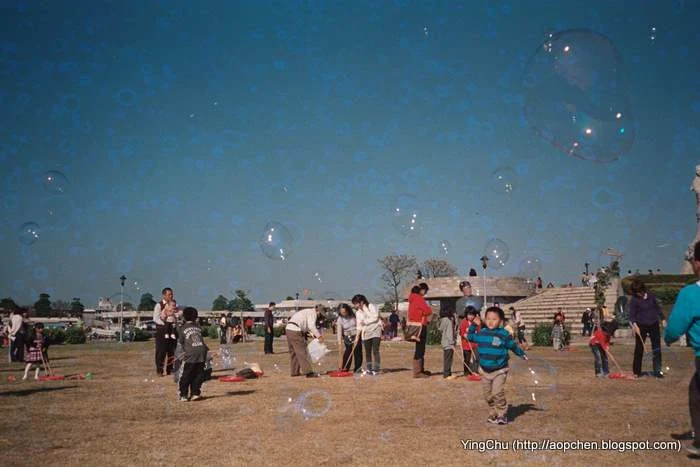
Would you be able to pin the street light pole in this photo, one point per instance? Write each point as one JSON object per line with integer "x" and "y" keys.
{"x": 586, "y": 264}
{"x": 121, "y": 309}
{"x": 484, "y": 264}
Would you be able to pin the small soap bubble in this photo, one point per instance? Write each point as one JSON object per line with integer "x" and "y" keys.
{"x": 29, "y": 233}
{"x": 54, "y": 182}
{"x": 315, "y": 403}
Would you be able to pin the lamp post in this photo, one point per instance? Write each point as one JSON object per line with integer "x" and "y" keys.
{"x": 586, "y": 264}
{"x": 484, "y": 264}
{"x": 296, "y": 303}
{"x": 121, "y": 309}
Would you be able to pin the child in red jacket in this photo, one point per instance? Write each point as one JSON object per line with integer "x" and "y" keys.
{"x": 470, "y": 352}
{"x": 599, "y": 344}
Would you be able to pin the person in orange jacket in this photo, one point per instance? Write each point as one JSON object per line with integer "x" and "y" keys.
{"x": 419, "y": 311}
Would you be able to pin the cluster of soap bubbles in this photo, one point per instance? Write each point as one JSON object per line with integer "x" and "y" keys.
{"x": 445, "y": 247}
{"x": 503, "y": 180}
{"x": 276, "y": 242}
{"x": 574, "y": 97}
{"x": 309, "y": 405}
{"x": 538, "y": 381}
{"x": 407, "y": 217}
{"x": 51, "y": 212}
{"x": 497, "y": 252}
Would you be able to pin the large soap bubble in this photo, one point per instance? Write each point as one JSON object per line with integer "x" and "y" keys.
{"x": 530, "y": 267}
{"x": 276, "y": 241}
{"x": 574, "y": 97}
{"x": 497, "y": 252}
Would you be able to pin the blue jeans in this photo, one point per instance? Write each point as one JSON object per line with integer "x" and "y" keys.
{"x": 600, "y": 359}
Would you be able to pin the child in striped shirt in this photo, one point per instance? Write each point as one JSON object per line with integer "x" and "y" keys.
{"x": 493, "y": 343}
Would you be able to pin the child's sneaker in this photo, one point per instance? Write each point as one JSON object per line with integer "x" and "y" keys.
{"x": 492, "y": 419}
{"x": 183, "y": 399}
{"x": 196, "y": 397}
{"x": 502, "y": 421}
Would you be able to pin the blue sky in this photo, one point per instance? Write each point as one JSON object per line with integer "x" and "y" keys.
{"x": 182, "y": 130}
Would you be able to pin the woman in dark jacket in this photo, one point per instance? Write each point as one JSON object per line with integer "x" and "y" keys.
{"x": 645, "y": 314}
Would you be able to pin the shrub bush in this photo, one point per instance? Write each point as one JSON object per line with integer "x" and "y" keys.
{"x": 278, "y": 331}
{"x": 259, "y": 330}
{"x": 75, "y": 335}
{"x": 141, "y": 335}
{"x": 542, "y": 335}
{"x": 666, "y": 295}
{"x": 55, "y": 336}
{"x": 434, "y": 335}
{"x": 212, "y": 331}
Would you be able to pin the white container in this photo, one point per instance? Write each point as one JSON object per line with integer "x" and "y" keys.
{"x": 317, "y": 350}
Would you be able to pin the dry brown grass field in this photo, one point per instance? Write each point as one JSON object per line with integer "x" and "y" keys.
{"x": 126, "y": 415}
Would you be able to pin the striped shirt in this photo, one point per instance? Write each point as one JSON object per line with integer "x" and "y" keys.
{"x": 493, "y": 347}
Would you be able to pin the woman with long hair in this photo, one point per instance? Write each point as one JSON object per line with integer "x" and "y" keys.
{"x": 369, "y": 328}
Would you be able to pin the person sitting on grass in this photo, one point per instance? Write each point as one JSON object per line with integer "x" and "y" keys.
{"x": 599, "y": 344}
{"x": 494, "y": 342}
{"x": 37, "y": 346}
{"x": 685, "y": 318}
{"x": 194, "y": 357}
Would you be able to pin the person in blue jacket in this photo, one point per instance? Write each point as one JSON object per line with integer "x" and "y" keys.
{"x": 685, "y": 318}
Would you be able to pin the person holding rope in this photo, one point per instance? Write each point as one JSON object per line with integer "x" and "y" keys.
{"x": 470, "y": 352}
{"x": 301, "y": 324}
{"x": 165, "y": 345}
{"x": 645, "y": 314}
{"x": 369, "y": 327}
{"x": 419, "y": 312}
{"x": 37, "y": 346}
{"x": 346, "y": 330}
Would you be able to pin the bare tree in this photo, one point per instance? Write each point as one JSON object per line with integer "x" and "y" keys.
{"x": 396, "y": 269}
{"x": 437, "y": 268}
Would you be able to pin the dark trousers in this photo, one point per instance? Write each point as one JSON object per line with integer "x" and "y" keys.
{"x": 356, "y": 356}
{"x": 694, "y": 401}
{"x": 600, "y": 360}
{"x": 393, "y": 329}
{"x": 419, "y": 354}
{"x": 268, "y": 342}
{"x": 222, "y": 337}
{"x": 447, "y": 355}
{"x": 650, "y": 330}
{"x": 191, "y": 379}
{"x": 165, "y": 349}
{"x": 372, "y": 353}
{"x": 17, "y": 348}
{"x": 471, "y": 364}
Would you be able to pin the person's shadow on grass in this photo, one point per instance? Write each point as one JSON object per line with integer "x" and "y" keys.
{"x": 29, "y": 392}
{"x": 243, "y": 392}
{"x": 515, "y": 411}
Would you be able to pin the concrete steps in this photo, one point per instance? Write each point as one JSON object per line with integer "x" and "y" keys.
{"x": 573, "y": 301}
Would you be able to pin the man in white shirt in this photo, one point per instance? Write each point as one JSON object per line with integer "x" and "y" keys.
{"x": 165, "y": 348}
{"x": 16, "y": 335}
{"x": 302, "y": 323}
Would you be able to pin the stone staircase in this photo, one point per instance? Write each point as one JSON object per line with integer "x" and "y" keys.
{"x": 540, "y": 308}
